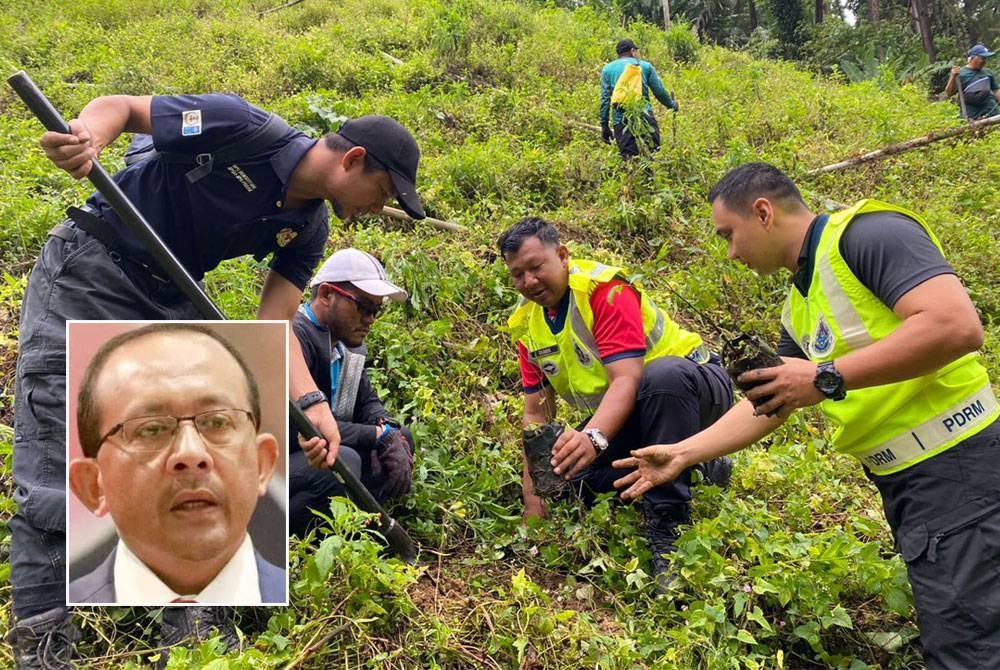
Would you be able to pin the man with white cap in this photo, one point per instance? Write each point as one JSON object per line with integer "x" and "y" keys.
{"x": 979, "y": 89}
{"x": 348, "y": 293}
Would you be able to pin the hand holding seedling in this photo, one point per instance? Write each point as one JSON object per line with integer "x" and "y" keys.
{"x": 789, "y": 386}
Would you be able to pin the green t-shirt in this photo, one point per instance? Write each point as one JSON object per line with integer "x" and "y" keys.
{"x": 983, "y": 79}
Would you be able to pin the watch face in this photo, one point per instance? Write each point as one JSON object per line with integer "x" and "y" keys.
{"x": 827, "y": 381}
{"x": 830, "y": 383}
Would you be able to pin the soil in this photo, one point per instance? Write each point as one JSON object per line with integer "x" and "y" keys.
{"x": 748, "y": 352}
{"x": 538, "y": 452}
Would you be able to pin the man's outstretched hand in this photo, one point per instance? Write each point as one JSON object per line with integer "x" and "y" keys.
{"x": 654, "y": 465}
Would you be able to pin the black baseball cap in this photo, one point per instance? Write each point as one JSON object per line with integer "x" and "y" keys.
{"x": 393, "y": 147}
{"x": 625, "y": 46}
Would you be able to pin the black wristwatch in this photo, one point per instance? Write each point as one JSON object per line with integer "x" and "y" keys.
{"x": 307, "y": 400}
{"x": 829, "y": 382}
{"x": 598, "y": 439}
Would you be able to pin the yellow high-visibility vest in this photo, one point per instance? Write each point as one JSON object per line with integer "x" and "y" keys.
{"x": 570, "y": 359}
{"x": 893, "y": 426}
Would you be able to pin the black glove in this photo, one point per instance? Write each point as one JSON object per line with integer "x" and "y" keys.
{"x": 675, "y": 106}
{"x": 606, "y": 133}
{"x": 396, "y": 463}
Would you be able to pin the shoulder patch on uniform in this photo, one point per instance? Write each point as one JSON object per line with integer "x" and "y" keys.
{"x": 284, "y": 236}
{"x": 191, "y": 122}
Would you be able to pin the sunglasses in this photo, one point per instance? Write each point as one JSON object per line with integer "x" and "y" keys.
{"x": 365, "y": 307}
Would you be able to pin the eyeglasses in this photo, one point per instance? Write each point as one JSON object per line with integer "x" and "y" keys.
{"x": 365, "y": 307}
{"x": 148, "y": 434}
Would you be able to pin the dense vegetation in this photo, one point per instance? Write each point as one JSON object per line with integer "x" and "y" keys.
{"x": 791, "y": 567}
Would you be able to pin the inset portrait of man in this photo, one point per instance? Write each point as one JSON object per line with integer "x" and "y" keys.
{"x": 176, "y": 441}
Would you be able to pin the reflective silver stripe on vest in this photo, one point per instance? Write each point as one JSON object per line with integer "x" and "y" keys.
{"x": 852, "y": 328}
{"x": 351, "y": 367}
{"x": 580, "y": 328}
{"x": 932, "y": 433}
{"x": 656, "y": 332}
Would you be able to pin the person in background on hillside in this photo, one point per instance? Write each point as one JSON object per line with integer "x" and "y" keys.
{"x": 880, "y": 333}
{"x": 347, "y": 295}
{"x": 586, "y": 333}
{"x": 613, "y": 115}
{"x": 268, "y": 199}
{"x": 977, "y": 84}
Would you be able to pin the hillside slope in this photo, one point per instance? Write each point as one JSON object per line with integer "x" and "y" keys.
{"x": 791, "y": 567}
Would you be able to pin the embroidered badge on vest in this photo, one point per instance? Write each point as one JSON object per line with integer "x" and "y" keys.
{"x": 582, "y": 356}
{"x": 823, "y": 340}
{"x": 550, "y": 368}
{"x": 284, "y": 236}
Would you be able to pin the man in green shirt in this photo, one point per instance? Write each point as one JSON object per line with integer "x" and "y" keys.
{"x": 978, "y": 85}
{"x": 614, "y": 114}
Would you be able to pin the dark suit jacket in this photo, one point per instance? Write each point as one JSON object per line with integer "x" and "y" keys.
{"x": 99, "y": 586}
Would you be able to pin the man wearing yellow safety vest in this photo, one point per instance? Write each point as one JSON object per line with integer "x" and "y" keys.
{"x": 586, "y": 333}
{"x": 877, "y": 330}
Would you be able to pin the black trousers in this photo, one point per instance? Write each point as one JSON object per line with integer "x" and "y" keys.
{"x": 676, "y": 399}
{"x": 628, "y": 145}
{"x": 311, "y": 488}
{"x": 945, "y": 516}
{"x": 75, "y": 277}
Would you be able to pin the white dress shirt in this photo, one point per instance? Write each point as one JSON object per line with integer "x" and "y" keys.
{"x": 236, "y": 584}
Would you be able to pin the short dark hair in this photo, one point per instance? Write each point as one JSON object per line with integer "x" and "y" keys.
{"x": 741, "y": 186}
{"x": 87, "y": 411}
{"x": 339, "y": 144}
{"x": 510, "y": 240}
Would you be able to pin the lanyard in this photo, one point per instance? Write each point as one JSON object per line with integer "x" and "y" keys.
{"x": 334, "y": 363}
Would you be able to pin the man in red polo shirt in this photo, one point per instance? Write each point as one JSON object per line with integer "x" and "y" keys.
{"x": 586, "y": 333}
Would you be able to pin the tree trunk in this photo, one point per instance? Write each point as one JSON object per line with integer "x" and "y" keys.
{"x": 753, "y": 15}
{"x": 873, "y": 11}
{"x": 933, "y": 136}
{"x": 666, "y": 14}
{"x": 819, "y": 11}
{"x": 921, "y": 13}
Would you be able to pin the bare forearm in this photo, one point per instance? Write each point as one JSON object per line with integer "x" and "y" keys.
{"x": 539, "y": 407}
{"x": 109, "y": 116}
{"x": 951, "y": 86}
{"x": 736, "y": 429}
{"x": 918, "y": 347}
{"x": 615, "y": 407}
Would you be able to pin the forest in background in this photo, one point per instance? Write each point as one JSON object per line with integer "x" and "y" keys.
{"x": 791, "y": 567}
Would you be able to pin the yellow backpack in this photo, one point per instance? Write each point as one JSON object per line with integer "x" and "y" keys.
{"x": 628, "y": 88}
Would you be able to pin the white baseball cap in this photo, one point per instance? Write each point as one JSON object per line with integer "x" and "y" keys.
{"x": 361, "y": 269}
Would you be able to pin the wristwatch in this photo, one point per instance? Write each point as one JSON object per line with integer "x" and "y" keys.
{"x": 829, "y": 381}
{"x": 598, "y": 439}
{"x": 309, "y": 399}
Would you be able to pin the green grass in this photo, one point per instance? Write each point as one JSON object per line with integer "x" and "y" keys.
{"x": 792, "y": 567}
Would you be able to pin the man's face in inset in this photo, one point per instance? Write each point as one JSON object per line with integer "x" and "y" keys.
{"x": 193, "y": 497}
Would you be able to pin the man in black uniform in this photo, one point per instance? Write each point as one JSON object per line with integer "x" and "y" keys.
{"x": 347, "y": 296}
{"x": 240, "y": 195}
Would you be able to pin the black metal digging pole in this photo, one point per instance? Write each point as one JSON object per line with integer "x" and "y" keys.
{"x": 397, "y": 537}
